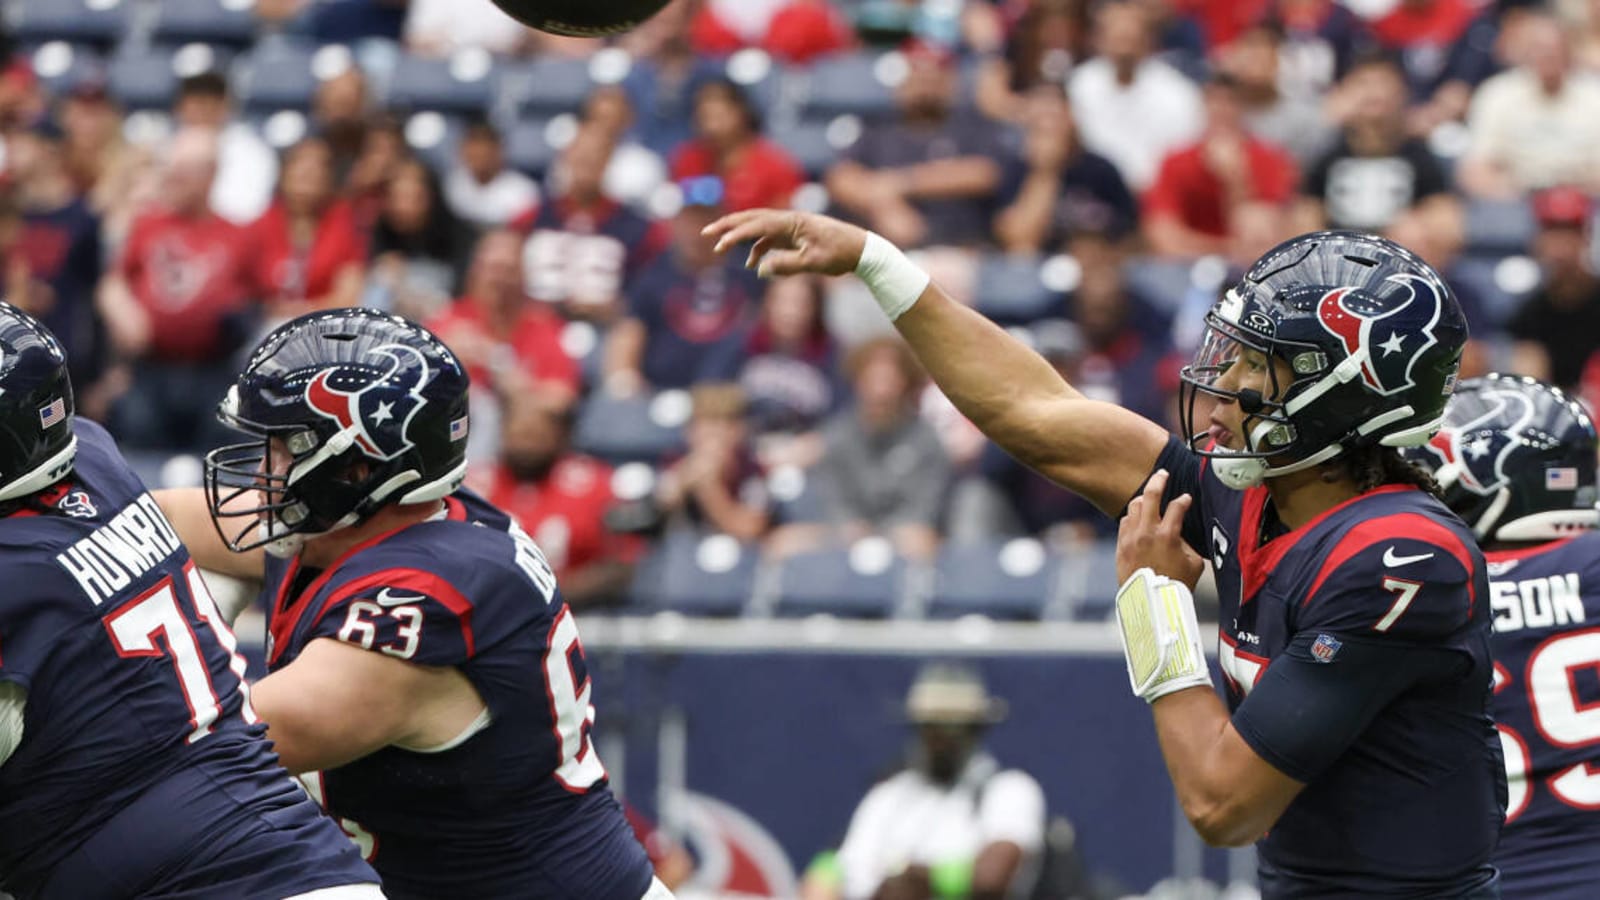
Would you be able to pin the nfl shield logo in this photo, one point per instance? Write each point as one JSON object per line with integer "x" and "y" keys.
{"x": 1324, "y": 648}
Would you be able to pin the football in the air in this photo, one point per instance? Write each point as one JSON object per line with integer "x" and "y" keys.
{"x": 581, "y": 18}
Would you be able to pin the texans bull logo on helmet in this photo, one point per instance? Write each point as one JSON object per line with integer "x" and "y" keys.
{"x": 1478, "y": 449}
{"x": 1386, "y": 343}
{"x": 378, "y": 414}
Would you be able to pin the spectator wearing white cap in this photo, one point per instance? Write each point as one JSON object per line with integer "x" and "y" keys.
{"x": 954, "y": 816}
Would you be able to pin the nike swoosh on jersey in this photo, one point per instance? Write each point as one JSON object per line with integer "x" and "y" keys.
{"x": 387, "y": 598}
{"x": 1389, "y": 559}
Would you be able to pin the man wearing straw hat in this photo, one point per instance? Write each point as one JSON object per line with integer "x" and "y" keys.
{"x": 953, "y": 823}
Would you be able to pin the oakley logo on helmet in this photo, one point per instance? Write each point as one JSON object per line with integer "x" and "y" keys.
{"x": 378, "y": 412}
{"x": 1386, "y": 343}
{"x": 1478, "y": 449}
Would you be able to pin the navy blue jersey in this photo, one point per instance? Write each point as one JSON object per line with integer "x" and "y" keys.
{"x": 142, "y": 770}
{"x": 1355, "y": 655}
{"x": 1546, "y": 602}
{"x": 519, "y": 807}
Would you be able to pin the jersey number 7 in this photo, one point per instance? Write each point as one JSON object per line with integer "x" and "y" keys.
{"x": 155, "y": 624}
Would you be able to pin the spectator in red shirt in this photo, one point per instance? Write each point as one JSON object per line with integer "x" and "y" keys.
{"x": 511, "y": 345}
{"x": 727, "y": 143}
{"x": 310, "y": 253}
{"x": 793, "y": 31}
{"x": 560, "y": 498}
{"x": 180, "y": 300}
{"x": 1209, "y": 195}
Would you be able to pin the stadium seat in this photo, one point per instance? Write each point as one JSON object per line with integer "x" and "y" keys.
{"x": 999, "y": 579}
{"x": 1009, "y": 289}
{"x": 808, "y": 142}
{"x": 528, "y": 148}
{"x": 209, "y": 21}
{"x": 862, "y": 582}
{"x": 278, "y": 74}
{"x": 698, "y": 574}
{"x": 433, "y": 137}
{"x": 1089, "y": 581}
{"x": 97, "y": 22}
{"x": 60, "y": 66}
{"x": 1480, "y": 277}
{"x": 545, "y": 87}
{"x": 464, "y": 84}
{"x": 629, "y": 429}
{"x": 846, "y": 84}
{"x": 1499, "y": 227}
{"x": 141, "y": 81}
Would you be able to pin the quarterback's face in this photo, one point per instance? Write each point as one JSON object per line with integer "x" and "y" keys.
{"x": 1248, "y": 370}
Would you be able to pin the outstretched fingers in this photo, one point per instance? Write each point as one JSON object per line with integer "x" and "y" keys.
{"x": 751, "y": 224}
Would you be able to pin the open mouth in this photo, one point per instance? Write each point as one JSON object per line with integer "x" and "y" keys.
{"x": 1221, "y": 436}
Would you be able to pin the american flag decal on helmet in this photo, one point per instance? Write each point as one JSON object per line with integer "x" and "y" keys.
{"x": 52, "y": 414}
{"x": 458, "y": 429}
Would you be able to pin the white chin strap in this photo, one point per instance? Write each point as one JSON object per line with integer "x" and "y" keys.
{"x": 1242, "y": 472}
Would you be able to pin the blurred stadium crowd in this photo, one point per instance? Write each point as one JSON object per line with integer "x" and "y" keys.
{"x": 181, "y": 174}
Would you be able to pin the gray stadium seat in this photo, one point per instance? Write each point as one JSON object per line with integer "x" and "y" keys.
{"x": 825, "y": 581}
{"x": 846, "y": 84}
{"x": 141, "y": 81}
{"x": 697, "y": 574}
{"x": 207, "y": 21}
{"x": 60, "y": 66}
{"x": 998, "y": 579}
{"x": 807, "y": 142}
{"x": 1499, "y": 227}
{"x": 100, "y": 23}
{"x": 276, "y": 74}
{"x": 1009, "y": 290}
{"x": 545, "y": 87}
{"x": 620, "y": 429}
{"x": 438, "y": 84}
{"x": 528, "y": 148}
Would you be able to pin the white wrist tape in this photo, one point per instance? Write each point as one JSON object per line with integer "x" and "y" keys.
{"x": 895, "y": 281}
{"x": 1160, "y": 636}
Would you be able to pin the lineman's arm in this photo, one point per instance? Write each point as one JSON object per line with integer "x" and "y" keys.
{"x": 337, "y": 703}
{"x": 1095, "y": 449}
{"x": 190, "y": 514}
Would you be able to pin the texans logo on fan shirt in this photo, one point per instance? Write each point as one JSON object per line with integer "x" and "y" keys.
{"x": 1386, "y": 342}
{"x": 378, "y": 411}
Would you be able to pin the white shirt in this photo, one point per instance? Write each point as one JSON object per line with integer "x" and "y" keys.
{"x": 247, "y": 175}
{"x": 909, "y": 819}
{"x": 1541, "y": 140}
{"x": 507, "y": 195}
{"x": 1135, "y": 125}
{"x": 460, "y": 24}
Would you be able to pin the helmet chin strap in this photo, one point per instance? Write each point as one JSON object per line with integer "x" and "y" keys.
{"x": 1243, "y": 472}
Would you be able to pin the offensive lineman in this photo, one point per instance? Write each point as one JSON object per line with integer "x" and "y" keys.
{"x": 1516, "y": 459}
{"x": 1356, "y": 748}
{"x": 131, "y": 764}
{"x": 426, "y": 677}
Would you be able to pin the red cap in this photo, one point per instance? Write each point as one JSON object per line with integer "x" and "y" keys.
{"x": 1559, "y": 206}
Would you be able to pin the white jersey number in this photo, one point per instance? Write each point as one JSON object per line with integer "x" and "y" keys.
{"x": 155, "y": 625}
{"x": 571, "y": 707}
{"x": 1561, "y": 718}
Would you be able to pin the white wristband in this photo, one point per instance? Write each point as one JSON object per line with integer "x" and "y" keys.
{"x": 895, "y": 281}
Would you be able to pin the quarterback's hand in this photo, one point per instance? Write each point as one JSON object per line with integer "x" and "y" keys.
{"x": 1146, "y": 538}
{"x": 788, "y": 242}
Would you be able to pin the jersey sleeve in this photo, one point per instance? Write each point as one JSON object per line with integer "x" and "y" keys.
{"x": 1322, "y": 691}
{"x": 408, "y": 614}
{"x": 1185, "y": 472}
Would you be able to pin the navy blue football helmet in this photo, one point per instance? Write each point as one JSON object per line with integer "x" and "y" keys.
{"x": 1372, "y": 337}
{"x": 37, "y": 443}
{"x": 371, "y": 410}
{"x": 1516, "y": 460}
